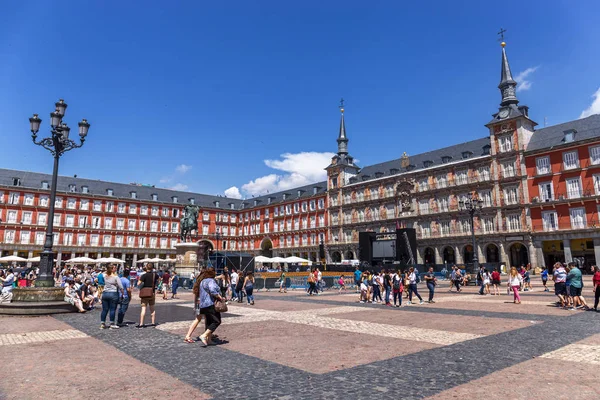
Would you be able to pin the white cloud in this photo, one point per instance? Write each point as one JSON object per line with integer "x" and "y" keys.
{"x": 299, "y": 169}
{"x": 183, "y": 168}
{"x": 233, "y": 192}
{"x": 594, "y": 108}
{"x": 165, "y": 180}
{"x": 179, "y": 186}
{"x": 522, "y": 82}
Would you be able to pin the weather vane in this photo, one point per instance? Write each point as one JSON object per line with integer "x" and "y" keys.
{"x": 342, "y": 104}
{"x": 501, "y": 33}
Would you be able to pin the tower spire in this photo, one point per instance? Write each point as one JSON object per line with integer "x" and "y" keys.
{"x": 507, "y": 84}
{"x": 342, "y": 140}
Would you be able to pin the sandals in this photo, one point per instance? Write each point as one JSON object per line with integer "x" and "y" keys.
{"x": 189, "y": 340}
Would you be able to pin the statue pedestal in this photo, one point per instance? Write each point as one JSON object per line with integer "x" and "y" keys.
{"x": 186, "y": 259}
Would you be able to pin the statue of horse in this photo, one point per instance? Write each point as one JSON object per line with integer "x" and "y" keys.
{"x": 189, "y": 222}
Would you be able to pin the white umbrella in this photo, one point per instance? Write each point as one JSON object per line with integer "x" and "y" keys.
{"x": 262, "y": 259}
{"x": 37, "y": 259}
{"x": 110, "y": 260}
{"x": 294, "y": 259}
{"x": 144, "y": 260}
{"x": 81, "y": 260}
{"x": 156, "y": 259}
{"x": 170, "y": 260}
{"x": 12, "y": 258}
{"x": 278, "y": 260}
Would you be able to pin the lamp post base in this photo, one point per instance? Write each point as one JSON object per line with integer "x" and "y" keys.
{"x": 37, "y": 301}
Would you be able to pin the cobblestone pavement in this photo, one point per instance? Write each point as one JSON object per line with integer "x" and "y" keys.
{"x": 291, "y": 346}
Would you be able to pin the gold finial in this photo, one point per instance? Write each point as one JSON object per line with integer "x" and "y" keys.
{"x": 503, "y": 44}
{"x": 342, "y": 105}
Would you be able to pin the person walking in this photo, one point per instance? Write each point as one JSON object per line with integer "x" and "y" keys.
{"x": 249, "y": 287}
{"x": 431, "y": 282}
{"x": 514, "y": 281}
{"x": 559, "y": 276}
{"x": 174, "y": 284}
{"x": 397, "y": 288}
{"x": 596, "y": 288}
{"x": 576, "y": 279}
{"x": 239, "y": 287}
{"x": 544, "y": 276}
{"x": 377, "y": 288}
{"x": 387, "y": 286}
{"x": 412, "y": 288}
{"x": 125, "y": 299}
{"x": 113, "y": 289}
{"x": 234, "y": 280}
{"x": 166, "y": 283}
{"x": 148, "y": 280}
{"x": 198, "y": 318}
{"x": 342, "y": 284}
{"x": 282, "y": 281}
{"x": 209, "y": 292}
{"x": 496, "y": 281}
{"x": 487, "y": 278}
{"x": 480, "y": 280}
{"x": 311, "y": 284}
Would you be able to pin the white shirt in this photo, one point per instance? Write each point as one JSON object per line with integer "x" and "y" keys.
{"x": 412, "y": 278}
{"x": 319, "y": 276}
{"x": 516, "y": 281}
{"x": 10, "y": 278}
{"x": 234, "y": 278}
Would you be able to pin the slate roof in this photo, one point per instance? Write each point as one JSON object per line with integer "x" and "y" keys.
{"x": 553, "y": 136}
{"x": 476, "y": 147}
{"x": 33, "y": 180}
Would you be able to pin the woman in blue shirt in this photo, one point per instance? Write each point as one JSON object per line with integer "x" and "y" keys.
{"x": 209, "y": 292}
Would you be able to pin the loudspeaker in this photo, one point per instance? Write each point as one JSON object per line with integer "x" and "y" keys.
{"x": 402, "y": 250}
{"x": 365, "y": 245}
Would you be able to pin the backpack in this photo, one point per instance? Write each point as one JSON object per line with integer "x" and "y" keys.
{"x": 418, "y": 277}
{"x": 397, "y": 284}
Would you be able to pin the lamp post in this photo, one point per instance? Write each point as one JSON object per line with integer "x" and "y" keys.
{"x": 472, "y": 205}
{"x": 218, "y": 236}
{"x": 57, "y": 144}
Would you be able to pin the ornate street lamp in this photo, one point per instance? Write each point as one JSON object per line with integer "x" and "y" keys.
{"x": 218, "y": 236}
{"x": 472, "y": 205}
{"x": 57, "y": 144}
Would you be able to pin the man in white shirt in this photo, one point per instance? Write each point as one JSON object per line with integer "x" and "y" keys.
{"x": 234, "y": 281}
{"x": 319, "y": 280}
{"x": 7, "y": 286}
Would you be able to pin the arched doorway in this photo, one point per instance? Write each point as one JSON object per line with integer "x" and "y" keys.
{"x": 349, "y": 255}
{"x": 266, "y": 248}
{"x": 448, "y": 255}
{"x": 518, "y": 255}
{"x": 429, "y": 256}
{"x": 336, "y": 257}
{"x": 492, "y": 254}
{"x": 468, "y": 254}
{"x": 206, "y": 247}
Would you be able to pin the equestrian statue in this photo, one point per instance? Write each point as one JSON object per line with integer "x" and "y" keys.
{"x": 189, "y": 222}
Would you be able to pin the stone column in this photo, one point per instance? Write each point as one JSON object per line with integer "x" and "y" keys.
{"x": 59, "y": 258}
{"x": 134, "y": 260}
{"x": 597, "y": 250}
{"x": 538, "y": 249}
{"x": 480, "y": 255}
{"x": 29, "y": 255}
{"x": 458, "y": 255}
{"x": 533, "y": 255}
{"x": 567, "y": 249}
{"x": 420, "y": 256}
{"x": 438, "y": 256}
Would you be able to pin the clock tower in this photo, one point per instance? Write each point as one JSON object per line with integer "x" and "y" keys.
{"x": 342, "y": 166}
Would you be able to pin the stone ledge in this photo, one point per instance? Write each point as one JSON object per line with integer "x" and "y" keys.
{"x": 36, "y": 308}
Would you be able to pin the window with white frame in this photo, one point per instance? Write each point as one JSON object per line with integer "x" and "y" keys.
{"x": 442, "y": 180}
{"x": 42, "y": 219}
{"x": 275, "y": 226}
{"x": 106, "y": 240}
{"x": 489, "y": 224}
{"x": 13, "y": 198}
{"x": 25, "y": 237}
{"x": 296, "y": 208}
{"x": 205, "y": 216}
{"x": 9, "y": 236}
{"x": 542, "y": 165}
{"x": 596, "y": 180}
{"x": 70, "y": 221}
{"x": 571, "y": 159}
{"x": 110, "y": 206}
{"x": 465, "y": 225}
{"x": 511, "y": 195}
{"x": 44, "y": 201}
{"x": 165, "y": 212}
{"x": 57, "y": 219}
{"x": 71, "y": 204}
{"x": 288, "y": 209}
{"x": 424, "y": 206}
{"x": 233, "y": 218}
{"x": 174, "y": 242}
{"x": 83, "y": 220}
{"x": 486, "y": 197}
{"x": 26, "y": 217}
{"x": 549, "y": 221}
{"x": 445, "y": 228}
{"x": 321, "y": 220}
{"x": 573, "y": 188}
{"x": 121, "y": 208}
{"x": 119, "y": 241}
{"x": 95, "y": 240}
{"x": 461, "y": 177}
{"x": 513, "y": 222}
{"x": 233, "y": 230}
{"x": 154, "y": 211}
{"x": 164, "y": 227}
{"x": 120, "y": 224}
{"x": 95, "y": 222}
{"x": 174, "y": 227}
{"x": 130, "y": 241}
{"x": 29, "y": 199}
{"x": 153, "y": 242}
{"x": 505, "y": 143}
{"x": 40, "y": 238}
{"x": 508, "y": 169}
{"x": 577, "y": 218}
{"x": 546, "y": 191}
{"x": 84, "y": 204}
{"x": 311, "y": 206}
{"x": 595, "y": 155}
{"x": 144, "y": 209}
{"x": 132, "y": 209}
{"x": 163, "y": 243}
{"x": 141, "y": 241}
{"x": 55, "y": 237}
{"x": 131, "y": 225}
{"x": 484, "y": 173}
{"x": 108, "y": 222}
{"x": 12, "y": 217}
{"x": 143, "y": 225}
{"x": 205, "y": 230}
{"x": 422, "y": 184}
{"x": 81, "y": 239}
{"x": 321, "y": 204}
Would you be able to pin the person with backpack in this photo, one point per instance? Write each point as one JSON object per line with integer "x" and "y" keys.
{"x": 414, "y": 279}
{"x": 397, "y": 288}
{"x": 387, "y": 286}
{"x": 431, "y": 282}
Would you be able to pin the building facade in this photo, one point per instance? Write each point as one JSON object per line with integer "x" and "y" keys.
{"x": 539, "y": 191}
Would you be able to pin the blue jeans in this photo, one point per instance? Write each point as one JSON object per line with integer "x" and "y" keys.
{"x": 249, "y": 295}
{"x": 387, "y": 295}
{"x": 376, "y": 293}
{"x": 412, "y": 288}
{"x": 123, "y": 306}
{"x": 109, "y": 305}
{"x": 431, "y": 288}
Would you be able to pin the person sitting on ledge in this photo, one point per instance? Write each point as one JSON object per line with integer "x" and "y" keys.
{"x": 7, "y": 286}
{"x": 71, "y": 296}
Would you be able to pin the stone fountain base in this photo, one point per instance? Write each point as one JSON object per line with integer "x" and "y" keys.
{"x": 37, "y": 301}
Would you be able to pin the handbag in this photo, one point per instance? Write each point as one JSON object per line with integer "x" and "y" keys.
{"x": 220, "y": 305}
{"x": 148, "y": 292}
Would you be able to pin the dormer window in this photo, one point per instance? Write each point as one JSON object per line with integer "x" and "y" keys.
{"x": 569, "y": 135}
{"x": 269, "y": 200}
{"x": 174, "y": 198}
{"x": 192, "y": 201}
{"x": 486, "y": 149}
{"x": 154, "y": 196}
{"x": 365, "y": 177}
{"x": 446, "y": 159}
{"x": 284, "y": 196}
{"x": 16, "y": 181}
{"x": 378, "y": 174}
{"x": 85, "y": 189}
{"x": 255, "y": 203}
{"x": 394, "y": 171}
{"x": 427, "y": 163}
{"x": 467, "y": 154}
{"x": 299, "y": 193}
{"x": 45, "y": 185}
{"x": 217, "y": 203}
{"x": 315, "y": 190}
{"x": 353, "y": 180}
{"x": 410, "y": 167}
{"x": 133, "y": 195}
{"x": 232, "y": 206}
{"x": 109, "y": 192}
{"x": 72, "y": 188}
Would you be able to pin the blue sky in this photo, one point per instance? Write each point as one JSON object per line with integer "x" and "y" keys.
{"x": 209, "y": 95}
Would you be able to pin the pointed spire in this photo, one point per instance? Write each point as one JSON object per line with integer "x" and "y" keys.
{"x": 507, "y": 84}
{"x": 342, "y": 140}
